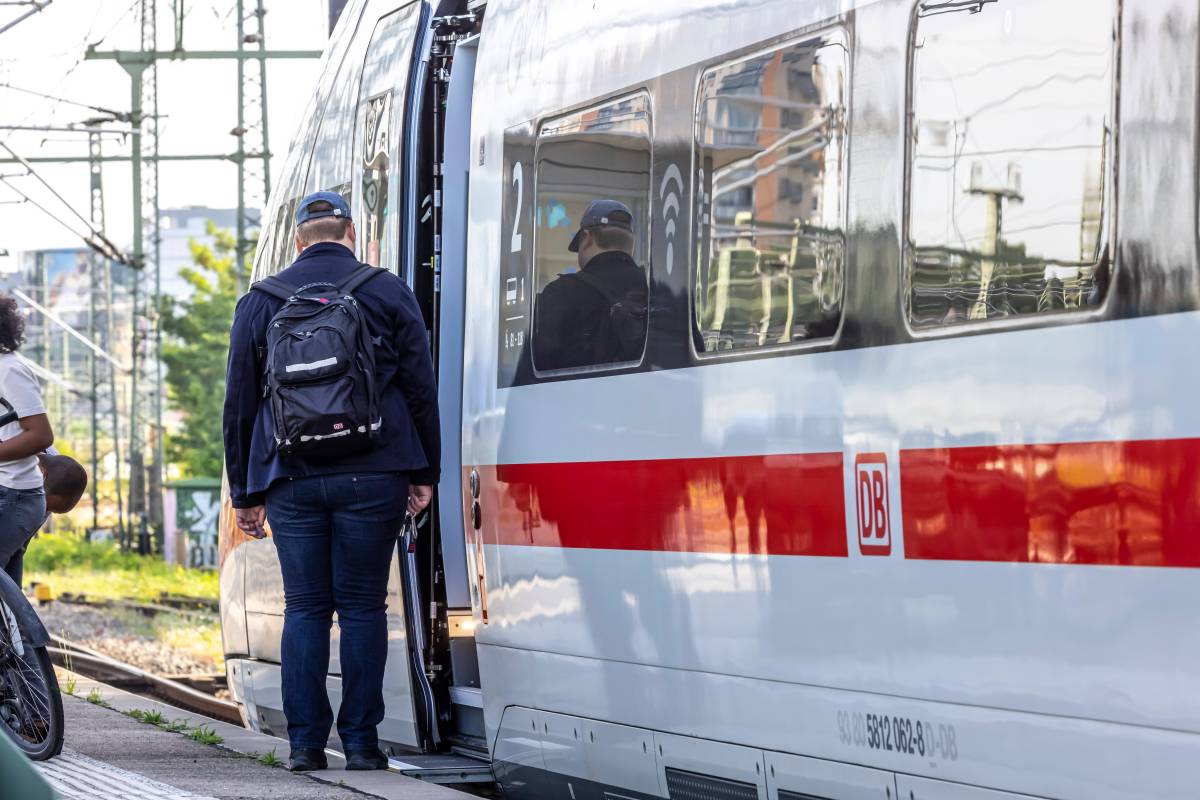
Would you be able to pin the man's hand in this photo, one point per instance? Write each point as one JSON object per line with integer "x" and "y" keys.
{"x": 418, "y": 498}
{"x": 251, "y": 520}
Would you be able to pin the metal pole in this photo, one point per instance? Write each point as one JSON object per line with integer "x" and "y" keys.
{"x": 240, "y": 246}
{"x": 95, "y": 156}
{"x": 93, "y": 364}
{"x": 149, "y": 505}
{"x": 110, "y": 336}
{"x": 135, "y": 73}
{"x": 261, "y": 13}
{"x": 96, "y": 214}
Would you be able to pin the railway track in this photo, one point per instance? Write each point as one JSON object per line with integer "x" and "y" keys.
{"x": 167, "y": 604}
{"x": 99, "y": 666}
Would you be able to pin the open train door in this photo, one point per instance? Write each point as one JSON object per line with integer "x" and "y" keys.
{"x": 465, "y": 694}
{"x": 447, "y": 698}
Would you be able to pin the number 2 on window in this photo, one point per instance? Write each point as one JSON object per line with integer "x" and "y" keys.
{"x": 518, "y": 181}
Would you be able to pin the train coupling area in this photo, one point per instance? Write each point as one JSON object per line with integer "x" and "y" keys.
{"x": 123, "y": 746}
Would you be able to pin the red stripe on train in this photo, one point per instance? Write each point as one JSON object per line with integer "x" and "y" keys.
{"x": 778, "y": 505}
{"x": 1131, "y": 503}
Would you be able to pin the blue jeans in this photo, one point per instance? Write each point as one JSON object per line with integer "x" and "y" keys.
{"x": 22, "y": 512}
{"x": 335, "y": 535}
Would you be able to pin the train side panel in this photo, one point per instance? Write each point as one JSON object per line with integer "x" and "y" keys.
{"x": 982, "y": 532}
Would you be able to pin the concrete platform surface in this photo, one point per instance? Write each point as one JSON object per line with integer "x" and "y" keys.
{"x": 111, "y": 756}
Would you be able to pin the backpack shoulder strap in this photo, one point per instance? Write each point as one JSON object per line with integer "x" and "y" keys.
{"x": 357, "y": 278}
{"x": 275, "y": 287}
{"x": 590, "y": 280}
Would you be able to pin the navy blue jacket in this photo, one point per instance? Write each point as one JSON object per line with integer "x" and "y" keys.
{"x": 410, "y": 439}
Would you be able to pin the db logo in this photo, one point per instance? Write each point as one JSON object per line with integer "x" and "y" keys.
{"x": 337, "y": 426}
{"x": 874, "y": 511}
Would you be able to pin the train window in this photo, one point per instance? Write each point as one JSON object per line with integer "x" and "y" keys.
{"x": 1010, "y": 158}
{"x": 771, "y": 174}
{"x": 278, "y": 249}
{"x": 380, "y": 122}
{"x": 333, "y": 152}
{"x": 592, "y": 237}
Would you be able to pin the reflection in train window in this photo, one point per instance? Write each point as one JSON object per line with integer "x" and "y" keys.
{"x": 333, "y": 155}
{"x": 1011, "y": 156}
{"x": 771, "y": 153}
{"x": 278, "y": 248}
{"x": 590, "y": 308}
{"x": 381, "y": 103}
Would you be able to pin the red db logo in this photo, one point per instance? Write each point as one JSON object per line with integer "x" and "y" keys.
{"x": 874, "y": 511}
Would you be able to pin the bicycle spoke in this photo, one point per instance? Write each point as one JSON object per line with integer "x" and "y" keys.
{"x": 28, "y": 708}
{"x": 34, "y": 692}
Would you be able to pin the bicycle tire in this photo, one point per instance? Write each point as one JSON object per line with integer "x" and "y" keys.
{"x": 36, "y": 742}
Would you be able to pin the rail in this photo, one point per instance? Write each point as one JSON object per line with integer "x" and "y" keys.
{"x": 97, "y": 665}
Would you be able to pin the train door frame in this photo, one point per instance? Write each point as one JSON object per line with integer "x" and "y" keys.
{"x": 437, "y": 142}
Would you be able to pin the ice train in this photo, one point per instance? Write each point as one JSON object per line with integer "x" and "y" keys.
{"x": 901, "y": 498}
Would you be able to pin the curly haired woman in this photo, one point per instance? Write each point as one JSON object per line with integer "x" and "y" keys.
{"x": 22, "y": 497}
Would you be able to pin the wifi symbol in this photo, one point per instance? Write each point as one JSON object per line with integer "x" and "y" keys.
{"x": 668, "y": 192}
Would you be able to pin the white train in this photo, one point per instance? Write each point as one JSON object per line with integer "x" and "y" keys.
{"x": 902, "y": 497}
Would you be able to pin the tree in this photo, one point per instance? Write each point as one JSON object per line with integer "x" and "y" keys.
{"x": 194, "y": 350}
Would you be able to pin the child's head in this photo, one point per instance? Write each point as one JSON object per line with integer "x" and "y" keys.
{"x": 12, "y": 325}
{"x": 65, "y": 479}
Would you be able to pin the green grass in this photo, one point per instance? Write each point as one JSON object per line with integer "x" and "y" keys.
{"x": 69, "y": 563}
{"x": 100, "y": 571}
{"x": 270, "y": 759}
{"x": 174, "y": 726}
{"x": 68, "y": 686}
{"x": 204, "y": 735}
{"x": 149, "y": 717}
{"x": 95, "y": 698}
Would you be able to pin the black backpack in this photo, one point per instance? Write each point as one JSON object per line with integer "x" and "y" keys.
{"x": 319, "y": 370}
{"x": 621, "y": 335}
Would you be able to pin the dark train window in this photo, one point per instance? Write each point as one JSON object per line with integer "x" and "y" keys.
{"x": 771, "y": 179}
{"x": 1010, "y": 159}
{"x": 590, "y": 269}
{"x": 380, "y": 122}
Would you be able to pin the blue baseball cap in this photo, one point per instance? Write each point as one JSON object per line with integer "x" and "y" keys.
{"x": 610, "y": 213}
{"x": 338, "y": 207}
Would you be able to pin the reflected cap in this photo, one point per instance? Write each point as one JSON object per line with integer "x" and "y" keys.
{"x": 610, "y": 213}
{"x": 338, "y": 207}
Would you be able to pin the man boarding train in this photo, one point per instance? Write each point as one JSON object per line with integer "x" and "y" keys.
{"x": 326, "y": 443}
{"x": 331, "y": 435}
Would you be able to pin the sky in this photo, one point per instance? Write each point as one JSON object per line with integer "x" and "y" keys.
{"x": 982, "y": 82}
{"x": 197, "y": 106}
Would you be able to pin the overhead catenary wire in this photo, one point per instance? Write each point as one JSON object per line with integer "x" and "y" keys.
{"x": 120, "y": 115}
{"x": 67, "y": 129}
{"x": 88, "y": 239}
{"x": 52, "y": 377}
{"x": 82, "y": 49}
{"x": 66, "y": 326}
{"x": 38, "y": 6}
{"x": 97, "y": 235}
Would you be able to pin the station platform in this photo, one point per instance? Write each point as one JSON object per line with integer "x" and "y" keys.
{"x": 110, "y": 755}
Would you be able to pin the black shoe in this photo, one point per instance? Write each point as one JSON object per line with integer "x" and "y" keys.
{"x": 366, "y": 759}
{"x": 305, "y": 759}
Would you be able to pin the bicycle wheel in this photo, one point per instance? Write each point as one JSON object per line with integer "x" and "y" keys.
{"x": 31, "y": 710}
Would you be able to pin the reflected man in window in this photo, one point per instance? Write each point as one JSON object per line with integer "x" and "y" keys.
{"x": 596, "y": 315}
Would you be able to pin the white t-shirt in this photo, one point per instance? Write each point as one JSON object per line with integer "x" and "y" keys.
{"x": 20, "y": 388}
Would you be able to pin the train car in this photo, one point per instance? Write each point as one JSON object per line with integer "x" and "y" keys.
{"x": 899, "y": 495}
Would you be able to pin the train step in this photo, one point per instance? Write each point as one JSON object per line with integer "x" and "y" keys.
{"x": 443, "y": 768}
